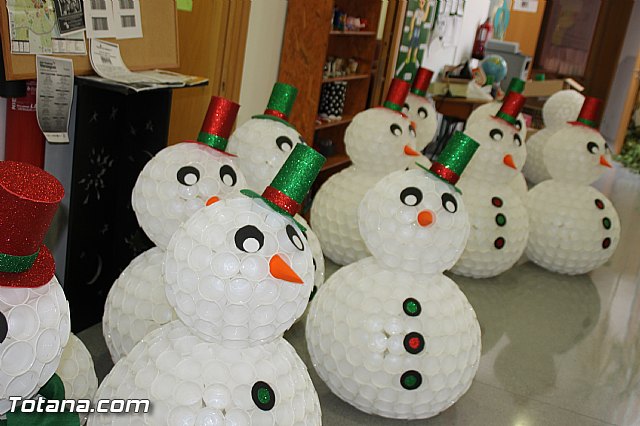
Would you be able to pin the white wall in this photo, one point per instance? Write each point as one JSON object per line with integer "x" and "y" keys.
{"x": 476, "y": 12}
{"x": 611, "y": 119}
{"x": 262, "y": 56}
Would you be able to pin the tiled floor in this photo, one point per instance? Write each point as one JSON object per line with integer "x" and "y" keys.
{"x": 557, "y": 350}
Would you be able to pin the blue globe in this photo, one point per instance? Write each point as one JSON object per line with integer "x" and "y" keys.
{"x": 495, "y": 66}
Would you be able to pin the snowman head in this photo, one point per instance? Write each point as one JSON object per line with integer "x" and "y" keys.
{"x": 182, "y": 178}
{"x": 240, "y": 271}
{"x": 416, "y": 220}
{"x": 34, "y": 315}
{"x": 562, "y": 107}
{"x": 381, "y": 140}
{"x": 264, "y": 142}
{"x": 501, "y": 154}
{"x": 262, "y": 146}
{"x": 578, "y": 153}
{"x": 420, "y": 110}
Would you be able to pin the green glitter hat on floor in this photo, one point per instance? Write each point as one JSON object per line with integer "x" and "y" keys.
{"x": 292, "y": 183}
{"x": 453, "y": 159}
{"x": 280, "y": 103}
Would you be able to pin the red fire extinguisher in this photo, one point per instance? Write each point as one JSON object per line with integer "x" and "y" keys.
{"x": 484, "y": 33}
{"x": 24, "y": 139}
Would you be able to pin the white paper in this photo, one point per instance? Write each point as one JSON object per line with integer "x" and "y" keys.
{"x": 54, "y": 94}
{"x": 107, "y": 63}
{"x": 98, "y": 18}
{"x": 530, "y": 6}
{"x": 126, "y": 19}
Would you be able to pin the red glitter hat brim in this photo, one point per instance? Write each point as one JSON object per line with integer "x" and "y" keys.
{"x": 38, "y": 275}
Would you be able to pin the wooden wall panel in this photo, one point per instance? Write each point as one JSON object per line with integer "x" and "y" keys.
{"x": 524, "y": 27}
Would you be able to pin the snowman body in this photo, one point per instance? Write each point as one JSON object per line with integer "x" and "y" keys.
{"x": 377, "y": 141}
{"x": 37, "y": 327}
{"x": 76, "y": 370}
{"x": 193, "y": 381}
{"x": 534, "y": 169}
{"x": 583, "y": 230}
{"x": 499, "y": 223}
{"x": 390, "y": 334}
{"x": 421, "y": 111}
{"x": 238, "y": 274}
{"x": 172, "y": 186}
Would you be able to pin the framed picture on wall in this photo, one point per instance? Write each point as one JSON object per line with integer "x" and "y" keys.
{"x": 418, "y": 24}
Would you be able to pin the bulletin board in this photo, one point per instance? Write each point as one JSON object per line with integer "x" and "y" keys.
{"x": 157, "y": 49}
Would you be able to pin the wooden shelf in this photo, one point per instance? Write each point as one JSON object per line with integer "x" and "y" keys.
{"x": 336, "y": 160}
{"x": 353, "y": 33}
{"x": 345, "y": 119}
{"x": 346, "y": 77}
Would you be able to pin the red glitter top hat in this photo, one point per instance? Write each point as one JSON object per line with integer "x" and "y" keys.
{"x": 421, "y": 81}
{"x": 218, "y": 123}
{"x": 398, "y": 91}
{"x": 511, "y": 107}
{"x": 590, "y": 113}
{"x": 29, "y": 198}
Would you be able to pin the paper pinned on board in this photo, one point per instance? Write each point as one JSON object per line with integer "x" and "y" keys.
{"x": 54, "y": 94}
{"x": 530, "y": 6}
{"x": 126, "y": 18}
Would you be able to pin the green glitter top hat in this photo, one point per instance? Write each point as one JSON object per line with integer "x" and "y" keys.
{"x": 453, "y": 159}
{"x": 280, "y": 103}
{"x": 515, "y": 85}
{"x": 292, "y": 183}
{"x": 218, "y": 123}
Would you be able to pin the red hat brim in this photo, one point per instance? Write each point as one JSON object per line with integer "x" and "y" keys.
{"x": 38, "y": 275}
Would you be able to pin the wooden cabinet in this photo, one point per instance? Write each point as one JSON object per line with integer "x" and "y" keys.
{"x": 308, "y": 40}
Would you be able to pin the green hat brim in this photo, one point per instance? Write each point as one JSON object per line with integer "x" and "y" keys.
{"x": 274, "y": 118}
{"x": 439, "y": 177}
{"x": 252, "y": 194}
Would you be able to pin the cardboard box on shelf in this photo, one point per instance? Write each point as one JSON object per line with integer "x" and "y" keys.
{"x": 546, "y": 88}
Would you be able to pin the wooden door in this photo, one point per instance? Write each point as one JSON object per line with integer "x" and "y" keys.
{"x": 632, "y": 96}
{"x": 212, "y": 45}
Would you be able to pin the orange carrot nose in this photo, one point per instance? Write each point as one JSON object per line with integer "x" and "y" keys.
{"x": 212, "y": 200}
{"x": 508, "y": 160}
{"x": 426, "y": 218}
{"x": 279, "y": 269}
{"x": 410, "y": 151}
{"x": 604, "y": 161}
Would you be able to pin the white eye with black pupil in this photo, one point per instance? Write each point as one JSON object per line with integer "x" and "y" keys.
{"x": 518, "y": 125}
{"x": 422, "y": 112}
{"x": 593, "y": 148}
{"x": 496, "y": 134}
{"x": 395, "y": 130}
{"x": 188, "y": 175}
{"x": 411, "y": 196}
{"x": 406, "y": 108}
{"x": 294, "y": 238}
{"x": 228, "y": 175}
{"x": 249, "y": 239}
{"x": 516, "y": 140}
{"x": 412, "y": 130}
{"x": 449, "y": 203}
{"x": 284, "y": 143}
{"x": 4, "y": 327}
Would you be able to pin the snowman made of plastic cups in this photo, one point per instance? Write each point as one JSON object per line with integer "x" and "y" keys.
{"x": 390, "y": 334}
{"x": 378, "y": 141}
{"x": 238, "y": 273}
{"x": 419, "y": 108}
{"x": 574, "y": 227}
{"x": 262, "y": 145}
{"x": 498, "y": 217}
{"x": 34, "y": 313}
{"x": 178, "y": 181}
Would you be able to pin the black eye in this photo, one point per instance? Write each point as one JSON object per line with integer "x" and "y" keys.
{"x": 188, "y": 175}
{"x": 294, "y": 238}
{"x": 228, "y": 175}
{"x": 496, "y": 134}
{"x": 412, "y": 130}
{"x": 315, "y": 266}
{"x": 517, "y": 140}
{"x": 449, "y": 203}
{"x": 406, "y": 108}
{"x": 284, "y": 143}
{"x": 249, "y": 239}
{"x": 422, "y": 112}
{"x": 592, "y": 147}
{"x": 518, "y": 125}
{"x": 4, "y": 327}
{"x": 396, "y": 130}
{"x": 411, "y": 196}
{"x": 263, "y": 396}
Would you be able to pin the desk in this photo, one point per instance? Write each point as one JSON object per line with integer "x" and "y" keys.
{"x": 454, "y": 111}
